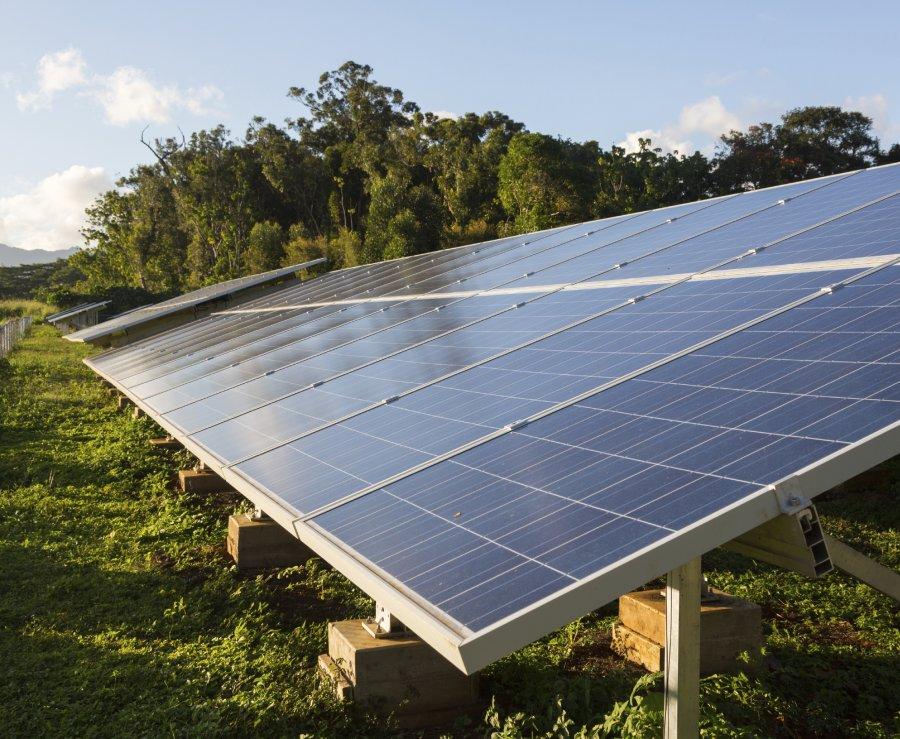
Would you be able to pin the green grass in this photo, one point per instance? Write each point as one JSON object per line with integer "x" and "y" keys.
{"x": 12, "y": 308}
{"x": 121, "y": 614}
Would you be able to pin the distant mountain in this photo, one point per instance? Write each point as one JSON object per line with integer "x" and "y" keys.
{"x": 11, "y": 256}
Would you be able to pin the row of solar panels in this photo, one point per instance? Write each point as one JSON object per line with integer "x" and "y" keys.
{"x": 498, "y": 438}
{"x": 145, "y": 314}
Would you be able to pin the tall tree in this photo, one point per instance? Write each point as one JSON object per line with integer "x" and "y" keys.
{"x": 809, "y": 142}
{"x": 544, "y": 181}
{"x": 351, "y": 123}
{"x": 464, "y": 159}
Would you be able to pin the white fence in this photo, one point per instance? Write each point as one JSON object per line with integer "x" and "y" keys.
{"x": 11, "y": 331}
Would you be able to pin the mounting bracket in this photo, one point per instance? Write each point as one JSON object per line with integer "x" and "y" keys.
{"x": 384, "y": 624}
{"x": 793, "y": 541}
{"x": 791, "y": 498}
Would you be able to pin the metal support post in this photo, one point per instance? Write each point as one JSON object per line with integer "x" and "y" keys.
{"x": 682, "y": 674}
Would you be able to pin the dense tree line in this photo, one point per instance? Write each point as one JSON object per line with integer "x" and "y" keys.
{"x": 366, "y": 175}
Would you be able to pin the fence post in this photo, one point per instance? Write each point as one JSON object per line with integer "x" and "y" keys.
{"x": 11, "y": 331}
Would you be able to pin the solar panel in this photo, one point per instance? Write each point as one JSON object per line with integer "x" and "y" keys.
{"x": 156, "y": 311}
{"x": 75, "y": 311}
{"x": 583, "y": 412}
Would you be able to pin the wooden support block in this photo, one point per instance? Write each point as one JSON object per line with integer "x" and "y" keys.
{"x": 259, "y": 545}
{"x": 194, "y": 481}
{"x": 343, "y": 690}
{"x": 728, "y": 626}
{"x": 399, "y": 674}
{"x": 137, "y": 413}
{"x": 122, "y": 403}
{"x": 165, "y": 442}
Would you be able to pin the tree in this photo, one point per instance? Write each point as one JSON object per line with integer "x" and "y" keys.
{"x": 296, "y": 173}
{"x": 136, "y": 235}
{"x": 809, "y": 142}
{"x": 352, "y": 124}
{"x": 463, "y": 159}
{"x": 265, "y": 247}
{"x": 545, "y": 181}
{"x": 403, "y": 219}
{"x": 644, "y": 179}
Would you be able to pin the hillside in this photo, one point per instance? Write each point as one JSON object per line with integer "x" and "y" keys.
{"x": 12, "y": 256}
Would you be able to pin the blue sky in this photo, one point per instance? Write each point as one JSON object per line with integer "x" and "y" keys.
{"x": 78, "y": 81}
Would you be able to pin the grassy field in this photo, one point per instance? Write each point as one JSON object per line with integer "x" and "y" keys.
{"x": 14, "y": 307}
{"x": 120, "y": 613}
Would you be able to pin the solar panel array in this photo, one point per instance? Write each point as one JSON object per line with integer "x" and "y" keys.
{"x": 155, "y": 311}
{"x": 498, "y": 438}
{"x": 75, "y": 310}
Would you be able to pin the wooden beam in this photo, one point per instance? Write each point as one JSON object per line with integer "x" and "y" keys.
{"x": 682, "y": 674}
{"x": 863, "y": 568}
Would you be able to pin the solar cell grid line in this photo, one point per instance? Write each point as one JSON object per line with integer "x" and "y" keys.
{"x": 798, "y": 213}
{"x": 351, "y": 278}
{"x": 606, "y": 223}
{"x": 806, "y": 184}
{"x": 195, "y": 297}
{"x": 339, "y": 487}
{"x": 526, "y": 477}
{"x": 451, "y": 301}
{"x": 350, "y": 281}
{"x": 267, "y": 344}
{"x": 749, "y": 197}
{"x": 363, "y": 407}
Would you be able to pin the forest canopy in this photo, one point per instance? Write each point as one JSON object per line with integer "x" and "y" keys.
{"x": 363, "y": 174}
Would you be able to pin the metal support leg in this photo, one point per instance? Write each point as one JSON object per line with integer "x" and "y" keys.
{"x": 863, "y": 568}
{"x": 682, "y": 706}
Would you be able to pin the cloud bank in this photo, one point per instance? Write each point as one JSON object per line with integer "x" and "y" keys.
{"x": 707, "y": 118}
{"x": 50, "y": 214}
{"x": 126, "y": 95}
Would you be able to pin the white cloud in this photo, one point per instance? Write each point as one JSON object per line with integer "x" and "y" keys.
{"x": 877, "y": 108}
{"x": 127, "y": 95}
{"x": 49, "y": 215}
{"x": 55, "y": 72}
{"x": 708, "y": 117}
{"x": 665, "y": 139}
{"x": 445, "y": 114}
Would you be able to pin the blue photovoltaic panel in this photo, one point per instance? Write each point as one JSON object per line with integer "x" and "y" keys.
{"x": 378, "y": 279}
{"x": 218, "y": 291}
{"x": 665, "y": 369}
{"x": 496, "y": 528}
{"x": 587, "y": 239}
